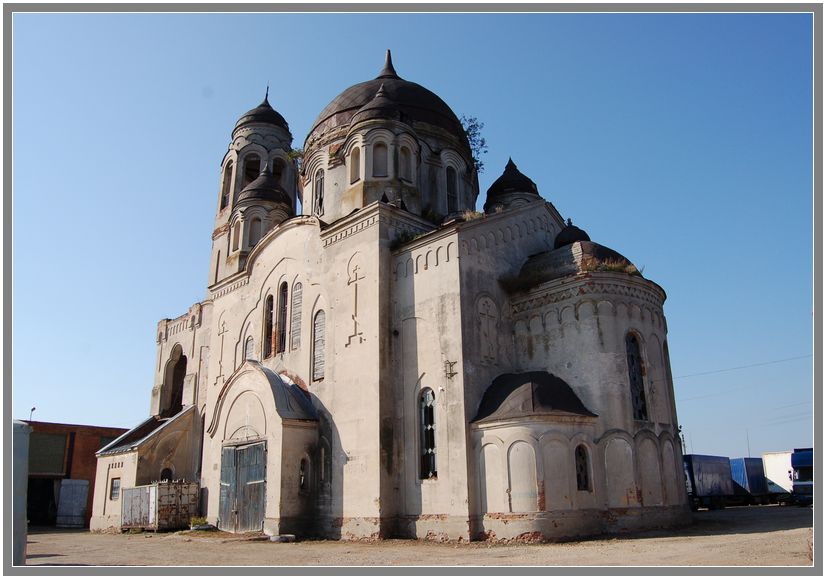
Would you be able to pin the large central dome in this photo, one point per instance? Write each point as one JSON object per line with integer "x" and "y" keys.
{"x": 415, "y": 103}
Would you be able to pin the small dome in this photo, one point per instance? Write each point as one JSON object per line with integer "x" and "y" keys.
{"x": 529, "y": 394}
{"x": 381, "y": 107}
{"x": 575, "y": 258}
{"x": 263, "y": 113}
{"x": 265, "y": 187}
{"x": 570, "y": 234}
{"x": 512, "y": 180}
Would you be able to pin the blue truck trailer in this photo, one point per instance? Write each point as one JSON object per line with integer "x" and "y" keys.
{"x": 708, "y": 480}
{"x": 802, "y": 476}
{"x": 749, "y": 483}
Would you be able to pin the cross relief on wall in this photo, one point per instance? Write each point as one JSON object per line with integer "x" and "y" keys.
{"x": 354, "y": 276}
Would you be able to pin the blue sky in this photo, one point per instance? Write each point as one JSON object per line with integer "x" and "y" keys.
{"x": 682, "y": 141}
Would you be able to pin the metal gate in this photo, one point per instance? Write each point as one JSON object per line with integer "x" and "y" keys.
{"x": 241, "y": 503}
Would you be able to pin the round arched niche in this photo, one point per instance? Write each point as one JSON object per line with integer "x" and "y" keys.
{"x": 245, "y": 418}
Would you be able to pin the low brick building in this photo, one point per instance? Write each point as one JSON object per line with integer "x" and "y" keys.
{"x": 59, "y": 452}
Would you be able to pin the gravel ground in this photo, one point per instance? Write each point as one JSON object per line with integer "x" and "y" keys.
{"x": 740, "y": 536}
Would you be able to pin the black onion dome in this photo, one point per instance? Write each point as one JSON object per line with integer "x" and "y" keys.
{"x": 570, "y": 234}
{"x": 263, "y": 113}
{"x": 512, "y": 180}
{"x": 381, "y": 107}
{"x": 529, "y": 394}
{"x": 412, "y": 101}
{"x": 265, "y": 187}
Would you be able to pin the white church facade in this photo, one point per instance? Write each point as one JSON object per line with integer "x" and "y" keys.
{"x": 391, "y": 363}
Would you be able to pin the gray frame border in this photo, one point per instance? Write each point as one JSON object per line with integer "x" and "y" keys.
{"x": 817, "y": 141}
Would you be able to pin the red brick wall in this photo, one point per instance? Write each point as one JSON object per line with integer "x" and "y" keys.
{"x": 83, "y": 461}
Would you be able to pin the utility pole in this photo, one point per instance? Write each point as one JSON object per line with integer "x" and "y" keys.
{"x": 748, "y": 444}
{"x": 32, "y": 412}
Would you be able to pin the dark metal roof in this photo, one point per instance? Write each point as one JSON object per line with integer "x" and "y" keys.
{"x": 570, "y": 234}
{"x": 413, "y": 102}
{"x": 575, "y": 258}
{"x": 263, "y": 113}
{"x": 131, "y": 437}
{"x": 512, "y": 180}
{"x": 529, "y": 394}
{"x": 291, "y": 401}
{"x": 265, "y": 187}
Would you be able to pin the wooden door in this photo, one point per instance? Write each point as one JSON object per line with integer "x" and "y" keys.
{"x": 241, "y": 501}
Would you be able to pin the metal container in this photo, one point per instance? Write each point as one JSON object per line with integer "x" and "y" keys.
{"x": 160, "y": 506}
{"x": 71, "y": 509}
{"x": 747, "y": 476}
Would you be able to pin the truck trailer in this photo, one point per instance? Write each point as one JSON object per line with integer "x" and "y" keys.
{"x": 748, "y": 482}
{"x": 708, "y": 480}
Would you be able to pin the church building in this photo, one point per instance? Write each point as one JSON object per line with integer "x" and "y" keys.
{"x": 373, "y": 358}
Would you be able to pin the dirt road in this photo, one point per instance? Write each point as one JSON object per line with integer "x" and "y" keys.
{"x": 768, "y": 535}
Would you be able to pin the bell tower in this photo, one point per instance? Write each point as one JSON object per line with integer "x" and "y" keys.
{"x": 257, "y": 188}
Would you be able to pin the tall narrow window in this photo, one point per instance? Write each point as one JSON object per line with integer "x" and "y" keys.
{"x": 278, "y": 170}
{"x": 252, "y": 167}
{"x": 255, "y": 231}
{"x": 404, "y": 164}
{"x": 303, "y": 475}
{"x": 635, "y": 377}
{"x": 236, "y": 236}
{"x": 452, "y": 195}
{"x": 282, "y": 318}
{"x": 217, "y": 266}
{"x": 583, "y": 479}
{"x": 427, "y": 424}
{"x": 267, "y": 341}
{"x": 318, "y": 345}
{"x": 114, "y": 489}
{"x": 226, "y": 185}
{"x": 318, "y": 198}
{"x": 295, "y": 318}
{"x": 355, "y": 165}
{"x": 379, "y": 160}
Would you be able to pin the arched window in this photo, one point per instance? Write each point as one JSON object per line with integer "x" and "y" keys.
{"x": 303, "y": 474}
{"x": 452, "y": 195}
{"x": 255, "y": 231}
{"x": 252, "y": 167}
{"x": 282, "y": 318}
{"x": 636, "y": 371}
{"x": 278, "y": 170}
{"x": 268, "y": 330}
{"x": 355, "y": 165}
{"x": 318, "y": 345}
{"x": 236, "y": 236}
{"x": 318, "y": 205}
{"x": 404, "y": 164}
{"x": 249, "y": 345}
{"x": 225, "y": 188}
{"x": 427, "y": 427}
{"x": 583, "y": 478}
{"x": 166, "y": 474}
{"x": 295, "y": 318}
{"x": 379, "y": 160}
{"x": 173, "y": 383}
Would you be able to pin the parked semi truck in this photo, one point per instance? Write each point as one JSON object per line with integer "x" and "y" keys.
{"x": 802, "y": 476}
{"x": 708, "y": 480}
